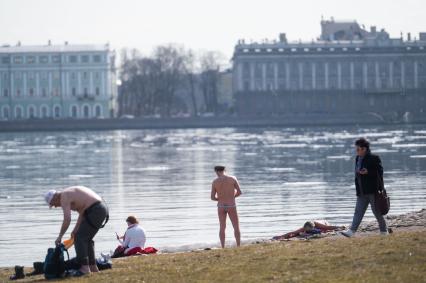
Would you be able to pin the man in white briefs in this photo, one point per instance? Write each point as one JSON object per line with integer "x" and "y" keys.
{"x": 225, "y": 189}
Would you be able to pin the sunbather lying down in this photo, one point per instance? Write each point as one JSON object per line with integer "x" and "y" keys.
{"x": 310, "y": 228}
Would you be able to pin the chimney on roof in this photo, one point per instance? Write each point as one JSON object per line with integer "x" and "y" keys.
{"x": 19, "y": 43}
{"x": 409, "y": 36}
{"x": 283, "y": 38}
{"x": 49, "y": 42}
{"x": 373, "y": 29}
{"x": 66, "y": 42}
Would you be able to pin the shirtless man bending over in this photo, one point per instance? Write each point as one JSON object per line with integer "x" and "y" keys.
{"x": 225, "y": 189}
{"x": 92, "y": 212}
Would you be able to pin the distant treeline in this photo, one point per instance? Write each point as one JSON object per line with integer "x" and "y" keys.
{"x": 150, "y": 84}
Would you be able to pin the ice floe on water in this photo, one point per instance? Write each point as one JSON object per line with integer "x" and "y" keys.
{"x": 409, "y": 145}
{"x": 80, "y": 176}
{"x": 13, "y": 167}
{"x": 280, "y": 169}
{"x": 149, "y": 168}
{"x": 344, "y": 157}
{"x": 384, "y": 150}
{"x": 417, "y": 156}
{"x": 288, "y": 145}
{"x": 304, "y": 184}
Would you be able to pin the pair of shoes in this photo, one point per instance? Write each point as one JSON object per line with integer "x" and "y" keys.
{"x": 106, "y": 257}
{"x": 19, "y": 273}
{"x": 348, "y": 233}
{"x": 38, "y": 269}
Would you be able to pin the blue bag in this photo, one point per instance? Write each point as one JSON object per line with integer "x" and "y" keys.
{"x": 54, "y": 264}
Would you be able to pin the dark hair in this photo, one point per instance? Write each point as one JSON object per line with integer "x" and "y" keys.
{"x": 219, "y": 168}
{"x": 309, "y": 224}
{"x": 132, "y": 220}
{"x": 362, "y": 142}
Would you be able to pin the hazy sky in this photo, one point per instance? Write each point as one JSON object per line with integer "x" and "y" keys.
{"x": 199, "y": 24}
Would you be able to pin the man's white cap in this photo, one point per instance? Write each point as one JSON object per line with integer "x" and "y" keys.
{"x": 49, "y": 196}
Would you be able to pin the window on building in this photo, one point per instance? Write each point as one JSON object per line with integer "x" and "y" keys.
{"x": 97, "y": 75}
{"x": 85, "y": 91}
{"x": 6, "y": 113}
{"x": 246, "y": 85}
{"x": 30, "y": 59}
{"x": 73, "y": 92}
{"x": 17, "y": 60}
{"x": 97, "y": 91}
{"x": 18, "y": 112}
{"x": 43, "y": 92}
{"x": 56, "y": 75}
{"x": 5, "y": 60}
{"x": 55, "y": 91}
{"x": 31, "y": 75}
{"x": 57, "y": 112}
{"x": 85, "y": 58}
{"x": 73, "y": 76}
{"x": 44, "y": 113}
{"x": 31, "y": 92}
{"x": 72, "y": 59}
{"x": 43, "y": 59}
{"x": 44, "y": 76}
{"x": 98, "y": 111}
{"x": 18, "y": 92}
{"x": 96, "y": 58}
{"x": 86, "y": 111}
{"x": 56, "y": 59}
{"x": 18, "y": 75}
{"x": 74, "y": 111}
{"x": 31, "y": 112}
{"x": 85, "y": 75}
{"x": 5, "y": 92}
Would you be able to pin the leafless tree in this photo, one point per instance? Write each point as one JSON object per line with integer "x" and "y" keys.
{"x": 149, "y": 83}
{"x": 190, "y": 70}
{"x": 210, "y": 63}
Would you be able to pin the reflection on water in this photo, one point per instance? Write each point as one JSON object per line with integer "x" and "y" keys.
{"x": 163, "y": 176}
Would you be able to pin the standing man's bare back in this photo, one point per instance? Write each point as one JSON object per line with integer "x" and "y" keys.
{"x": 225, "y": 189}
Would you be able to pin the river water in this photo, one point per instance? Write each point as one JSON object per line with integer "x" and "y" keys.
{"x": 287, "y": 175}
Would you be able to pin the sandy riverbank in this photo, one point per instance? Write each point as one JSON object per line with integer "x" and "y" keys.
{"x": 368, "y": 257}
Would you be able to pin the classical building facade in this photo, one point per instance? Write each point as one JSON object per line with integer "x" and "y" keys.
{"x": 345, "y": 62}
{"x": 57, "y": 81}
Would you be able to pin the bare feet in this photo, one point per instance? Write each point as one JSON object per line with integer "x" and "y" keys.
{"x": 85, "y": 269}
{"x": 94, "y": 268}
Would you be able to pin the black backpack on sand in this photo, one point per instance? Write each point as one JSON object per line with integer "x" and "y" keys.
{"x": 54, "y": 264}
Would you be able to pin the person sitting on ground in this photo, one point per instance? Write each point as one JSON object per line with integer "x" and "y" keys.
{"x": 133, "y": 241}
{"x": 310, "y": 228}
